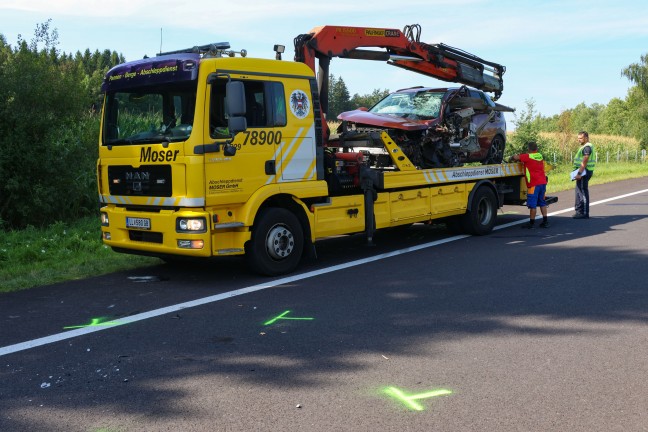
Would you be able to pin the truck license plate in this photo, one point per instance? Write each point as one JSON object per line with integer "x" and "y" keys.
{"x": 139, "y": 223}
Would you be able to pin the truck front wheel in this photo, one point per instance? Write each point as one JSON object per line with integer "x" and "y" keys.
{"x": 277, "y": 242}
{"x": 480, "y": 219}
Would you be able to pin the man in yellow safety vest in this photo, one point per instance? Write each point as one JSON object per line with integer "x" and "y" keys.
{"x": 584, "y": 162}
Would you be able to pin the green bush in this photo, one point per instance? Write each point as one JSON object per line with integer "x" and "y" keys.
{"x": 48, "y": 135}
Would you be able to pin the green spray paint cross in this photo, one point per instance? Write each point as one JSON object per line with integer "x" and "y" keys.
{"x": 94, "y": 322}
{"x": 283, "y": 316}
{"x": 411, "y": 400}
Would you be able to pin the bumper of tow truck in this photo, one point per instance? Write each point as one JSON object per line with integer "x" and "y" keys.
{"x": 156, "y": 234}
{"x": 160, "y": 234}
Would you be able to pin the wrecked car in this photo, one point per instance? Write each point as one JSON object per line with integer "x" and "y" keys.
{"x": 435, "y": 127}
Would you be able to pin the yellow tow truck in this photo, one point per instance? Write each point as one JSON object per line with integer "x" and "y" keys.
{"x": 206, "y": 152}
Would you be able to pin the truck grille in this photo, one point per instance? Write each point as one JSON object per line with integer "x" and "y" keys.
{"x": 147, "y": 180}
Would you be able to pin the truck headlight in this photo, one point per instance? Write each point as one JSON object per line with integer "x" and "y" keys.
{"x": 104, "y": 219}
{"x": 191, "y": 225}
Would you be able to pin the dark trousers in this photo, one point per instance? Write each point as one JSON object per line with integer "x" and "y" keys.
{"x": 582, "y": 201}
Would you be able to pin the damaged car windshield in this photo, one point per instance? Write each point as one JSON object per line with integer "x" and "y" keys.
{"x": 149, "y": 115}
{"x": 423, "y": 105}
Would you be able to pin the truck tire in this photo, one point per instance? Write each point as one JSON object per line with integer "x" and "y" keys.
{"x": 480, "y": 219}
{"x": 277, "y": 243}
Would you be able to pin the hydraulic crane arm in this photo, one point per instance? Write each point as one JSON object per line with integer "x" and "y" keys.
{"x": 402, "y": 49}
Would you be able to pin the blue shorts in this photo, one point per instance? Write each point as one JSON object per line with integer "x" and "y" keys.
{"x": 536, "y": 196}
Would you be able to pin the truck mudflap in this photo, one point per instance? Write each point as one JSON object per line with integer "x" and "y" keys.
{"x": 551, "y": 200}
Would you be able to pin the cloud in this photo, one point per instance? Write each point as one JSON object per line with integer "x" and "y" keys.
{"x": 113, "y": 8}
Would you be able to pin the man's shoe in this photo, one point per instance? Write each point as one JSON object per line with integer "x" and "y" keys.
{"x": 580, "y": 216}
{"x": 544, "y": 224}
{"x": 528, "y": 225}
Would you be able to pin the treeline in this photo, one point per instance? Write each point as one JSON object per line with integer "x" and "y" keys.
{"x": 340, "y": 100}
{"x": 49, "y": 124}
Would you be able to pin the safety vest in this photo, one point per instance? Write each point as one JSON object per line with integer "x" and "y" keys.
{"x": 591, "y": 162}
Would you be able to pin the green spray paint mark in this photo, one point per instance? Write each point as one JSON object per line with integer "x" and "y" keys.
{"x": 283, "y": 316}
{"x": 411, "y": 400}
{"x": 94, "y": 322}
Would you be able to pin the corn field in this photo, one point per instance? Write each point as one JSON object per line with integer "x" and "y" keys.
{"x": 560, "y": 148}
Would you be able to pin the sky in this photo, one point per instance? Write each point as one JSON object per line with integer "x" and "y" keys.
{"x": 558, "y": 54}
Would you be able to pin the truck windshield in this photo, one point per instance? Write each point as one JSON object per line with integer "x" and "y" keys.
{"x": 423, "y": 105}
{"x": 150, "y": 114}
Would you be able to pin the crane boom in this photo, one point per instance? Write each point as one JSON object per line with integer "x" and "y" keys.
{"x": 399, "y": 48}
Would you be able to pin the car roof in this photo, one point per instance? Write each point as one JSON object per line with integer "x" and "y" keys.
{"x": 420, "y": 88}
{"x": 433, "y": 89}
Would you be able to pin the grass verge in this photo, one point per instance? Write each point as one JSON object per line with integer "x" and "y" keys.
{"x": 605, "y": 173}
{"x": 61, "y": 252}
{"x": 73, "y": 250}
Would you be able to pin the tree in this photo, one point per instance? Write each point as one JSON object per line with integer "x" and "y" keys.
{"x": 49, "y": 39}
{"x": 586, "y": 118}
{"x": 526, "y": 129}
{"x": 638, "y": 73}
{"x": 637, "y": 99}
{"x": 368, "y": 100}
{"x": 615, "y": 118}
{"x": 339, "y": 98}
{"x": 637, "y": 103}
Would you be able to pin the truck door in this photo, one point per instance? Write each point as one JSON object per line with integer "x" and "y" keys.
{"x": 233, "y": 179}
{"x": 296, "y": 153}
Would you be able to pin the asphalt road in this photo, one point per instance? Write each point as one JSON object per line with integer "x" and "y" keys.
{"x": 542, "y": 330}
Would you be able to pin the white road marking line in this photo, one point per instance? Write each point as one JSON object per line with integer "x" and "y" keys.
{"x": 571, "y": 209}
{"x": 22, "y": 346}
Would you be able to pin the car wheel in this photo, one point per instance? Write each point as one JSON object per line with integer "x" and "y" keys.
{"x": 496, "y": 151}
{"x": 277, "y": 243}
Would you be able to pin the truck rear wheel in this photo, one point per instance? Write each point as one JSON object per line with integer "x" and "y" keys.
{"x": 277, "y": 243}
{"x": 480, "y": 219}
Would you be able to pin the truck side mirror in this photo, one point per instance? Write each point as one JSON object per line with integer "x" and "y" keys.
{"x": 236, "y": 109}
{"x": 229, "y": 150}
